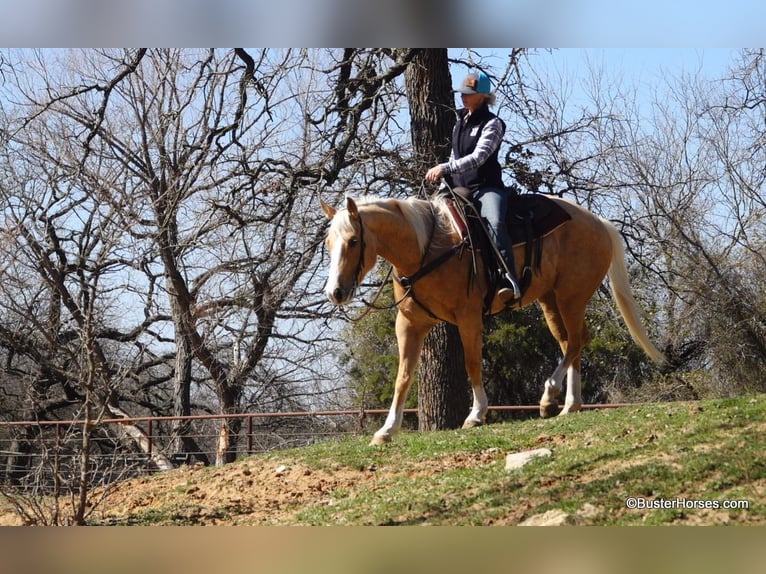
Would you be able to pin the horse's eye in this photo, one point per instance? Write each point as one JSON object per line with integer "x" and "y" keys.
{"x": 353, "y": 242}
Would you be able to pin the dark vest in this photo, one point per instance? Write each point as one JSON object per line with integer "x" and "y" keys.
{"x": 464, "y": 139}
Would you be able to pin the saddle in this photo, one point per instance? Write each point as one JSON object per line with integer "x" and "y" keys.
{"x": 530, "y": 217}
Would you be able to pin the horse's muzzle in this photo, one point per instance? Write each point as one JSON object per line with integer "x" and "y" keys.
{"x": 339, "y": 295}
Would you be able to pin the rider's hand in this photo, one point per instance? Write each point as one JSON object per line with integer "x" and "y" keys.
{"x": 434, "y": 174}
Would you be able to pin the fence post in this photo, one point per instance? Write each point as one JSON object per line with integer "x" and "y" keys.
{"x": 250, "y": 434}
{"x": 149, "y": 439}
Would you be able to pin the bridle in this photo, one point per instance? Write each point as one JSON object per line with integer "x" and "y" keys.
{"x": 407, "y": 282}
{"x": 371, "y": 306}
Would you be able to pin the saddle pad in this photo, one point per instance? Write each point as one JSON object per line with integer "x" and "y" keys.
{"x": 546, "y": 216}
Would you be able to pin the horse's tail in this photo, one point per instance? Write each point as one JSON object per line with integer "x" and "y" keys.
{"x": 618, "y": 280}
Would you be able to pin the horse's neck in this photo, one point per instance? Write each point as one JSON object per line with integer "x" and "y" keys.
{"x": 396, "y": 241}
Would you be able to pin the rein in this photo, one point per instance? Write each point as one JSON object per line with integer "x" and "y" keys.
{"x": 408, "y": 281}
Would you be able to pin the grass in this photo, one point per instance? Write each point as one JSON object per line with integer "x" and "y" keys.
{"x": 709, "y": 451}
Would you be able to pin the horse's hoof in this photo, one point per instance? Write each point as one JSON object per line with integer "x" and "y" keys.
{"x": 549, "y": 410}
{"x": 470, "y": 424}
{"x": 570, "y": 409}
{"x": 380, "y": 440}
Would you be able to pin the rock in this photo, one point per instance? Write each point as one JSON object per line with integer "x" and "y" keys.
{"x": 519, "y": 459}
{"x": 554, "y": 517}
{"x": 281, "y": 469}
{"x": 558, "y": 517}
{"x": 588, "y": 511}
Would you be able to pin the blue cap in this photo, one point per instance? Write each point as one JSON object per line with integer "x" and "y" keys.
{"x": 475, "y": 83}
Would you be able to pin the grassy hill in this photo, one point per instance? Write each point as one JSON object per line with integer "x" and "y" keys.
{"x": 685, "y": 460}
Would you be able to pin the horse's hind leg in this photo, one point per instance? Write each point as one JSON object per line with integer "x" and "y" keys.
{"x": 573, "y": 402}
{"x": 549, "y": 405}
{"x": 572, "y": 335}
{"x": 410, "y": 340}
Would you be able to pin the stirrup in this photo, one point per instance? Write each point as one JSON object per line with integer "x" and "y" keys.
{"x": 514, "y": 287}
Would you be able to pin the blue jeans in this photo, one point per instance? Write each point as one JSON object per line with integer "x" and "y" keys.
{"x": 493, "y": 205}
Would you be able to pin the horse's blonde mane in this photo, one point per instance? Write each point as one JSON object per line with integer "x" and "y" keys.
{"x": 420, "y": 216}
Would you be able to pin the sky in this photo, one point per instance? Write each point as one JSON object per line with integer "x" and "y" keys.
{"x": 649, "y": 64}
{"x": 648, "y": 23}
{"x": 646, "y": 69}
{"x": 425, "y": 23}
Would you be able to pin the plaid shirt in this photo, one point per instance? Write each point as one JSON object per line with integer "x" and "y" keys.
{"x": 489, "y": 141}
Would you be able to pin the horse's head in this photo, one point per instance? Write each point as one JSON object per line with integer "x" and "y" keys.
{"x": 351, "y": 249}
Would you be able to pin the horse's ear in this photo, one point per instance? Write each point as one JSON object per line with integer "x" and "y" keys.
{"x": 328, "y": 209}
{"x": 353, "y": 210}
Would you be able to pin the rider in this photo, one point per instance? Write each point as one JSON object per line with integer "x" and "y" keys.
{"x": 473, "y": 164}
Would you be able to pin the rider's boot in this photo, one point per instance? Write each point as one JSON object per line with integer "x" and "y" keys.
{"x": 509, "y": 288}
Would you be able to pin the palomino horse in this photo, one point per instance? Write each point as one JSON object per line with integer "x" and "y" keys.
{"x": 413, "y": 233}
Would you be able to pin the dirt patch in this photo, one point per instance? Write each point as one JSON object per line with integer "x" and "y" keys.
{"x": 250, "y": 492}
{"x": 254, "y": 491}
{"x": 257, "y": 491}
{"x": 247, "y": 493}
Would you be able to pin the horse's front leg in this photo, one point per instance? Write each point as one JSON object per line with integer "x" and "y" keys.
{"x": 471, "y": 336}
{"x": 410, "y": 340}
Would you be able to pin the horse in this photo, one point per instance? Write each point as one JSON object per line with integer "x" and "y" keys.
{"x": 418, "y": 238}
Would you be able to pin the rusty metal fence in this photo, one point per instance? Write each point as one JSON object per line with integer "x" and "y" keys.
{"x": 40, "y": 456}
{"x": 37, "y": 457}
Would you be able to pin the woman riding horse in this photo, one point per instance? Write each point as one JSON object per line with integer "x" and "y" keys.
{"x": 473, "y": 164}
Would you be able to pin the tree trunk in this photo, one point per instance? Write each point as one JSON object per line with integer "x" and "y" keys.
{"x": 443, "y": 390}
{"x": 443, "y": 398}
{"x": 183, "y": 440}
{"x": 182, "y": 394}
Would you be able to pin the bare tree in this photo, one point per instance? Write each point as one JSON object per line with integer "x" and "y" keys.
{"x": 684, "y": 176}
{"x": 58, "y": 280}
{"x": 203, "y": 169}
